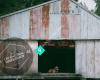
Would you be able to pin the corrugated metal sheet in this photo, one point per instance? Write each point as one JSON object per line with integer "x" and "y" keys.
{"x": 19, "y": 25}
{"x": 54, "y": 21}
{"x": 83, "y": 24}
{"x": 74, "y": 27}
{"x": 64, "y": 19}
{"x": 88, "y": 58}
{"x": 65, "y": 6}
{"x": 4, "y": 28}
{"x": 35, "y": 23}
{"x": 97, "y": 59}
{"x": 55, "y": 8}
{"x": 89, "y": 26}
{"x": 74, "y": 9}
{"x": 45, "y": 20}
{"x": 55, "y": 27}
{"x": 64, "y": 26}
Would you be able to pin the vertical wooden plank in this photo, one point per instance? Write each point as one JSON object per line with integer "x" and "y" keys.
{"x": 84, "y": 24}
{"x": 65, "y": 6}
{"x": 55, "y": 7}
{"x": 34, "y": 66}
{"x": 74, "y": 27}
{"x": 90, "y": 59}
{"x": 36, "y": 23}
{"x": 64, "y": 27}
{"x": 55, "y": 26}
{"x": 45, "y": 20}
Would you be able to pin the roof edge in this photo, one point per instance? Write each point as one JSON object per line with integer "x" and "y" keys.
{"x": 23, "y": 10}
{"x": 26, "y": 9}
{"x": 81, "y": 6}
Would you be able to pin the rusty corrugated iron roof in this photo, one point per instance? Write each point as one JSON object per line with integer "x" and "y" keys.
{"x": 48, "y": 3}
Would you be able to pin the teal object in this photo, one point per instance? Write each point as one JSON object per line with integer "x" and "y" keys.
{"x": 40, "y": 50}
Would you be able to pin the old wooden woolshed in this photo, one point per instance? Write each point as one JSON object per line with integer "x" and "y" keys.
{"x": 53, "y": 21}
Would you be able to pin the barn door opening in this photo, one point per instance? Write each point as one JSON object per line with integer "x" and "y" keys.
{"x": 59, "y": 57}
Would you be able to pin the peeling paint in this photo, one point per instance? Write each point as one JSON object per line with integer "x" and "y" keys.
{"x": 45, "y": 19}
{"x": 4, "y": 28}
{"x": 65, "y": 6}
{"x": 64, "y": 27}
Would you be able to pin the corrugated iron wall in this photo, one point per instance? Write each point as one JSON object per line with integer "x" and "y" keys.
{"x": 4, "y": 29}
{"x": 62, "y": 19}
{"x": 88, "y": 58}
{"x": 58, "y": 20}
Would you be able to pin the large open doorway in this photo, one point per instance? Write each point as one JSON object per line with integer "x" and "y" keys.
{"x": 59, "y": 57}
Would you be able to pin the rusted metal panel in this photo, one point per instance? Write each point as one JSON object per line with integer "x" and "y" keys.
{"x": 0, "y": 30}
{"x": 65, "y": 6}
{"x": 45, "y": 19}
{"x": 75, "y": 23}
{"x": 19, "y": 25}
{"x": 74, "y": 27}
{"x": 55, "y": 7}
{"x": 35, "y": 23}
{"x": 64, "y": 27}
{"x": 4, "y": 28}
{"x": 55, "y": 27}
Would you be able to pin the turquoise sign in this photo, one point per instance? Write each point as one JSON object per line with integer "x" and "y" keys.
{"x": 40, "y": 50}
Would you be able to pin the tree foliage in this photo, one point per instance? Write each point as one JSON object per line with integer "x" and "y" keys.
{"x": 97, "y": 7}
{"x": 8, "y": 6}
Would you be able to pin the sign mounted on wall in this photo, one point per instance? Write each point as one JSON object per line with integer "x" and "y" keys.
{"x": 40, "y": 50}
{"x": 15, "y": 56}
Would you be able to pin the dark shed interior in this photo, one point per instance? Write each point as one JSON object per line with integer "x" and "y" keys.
{"x": 59, "y": 55}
